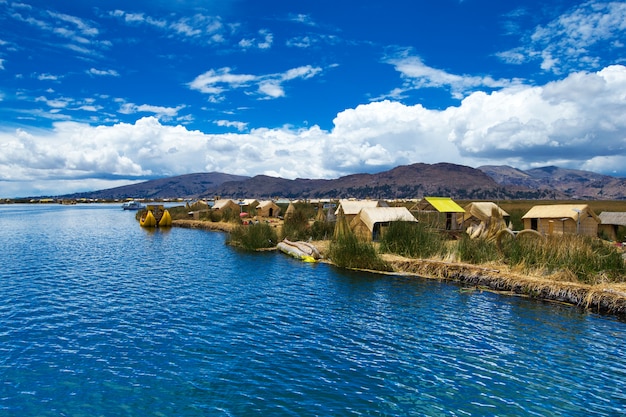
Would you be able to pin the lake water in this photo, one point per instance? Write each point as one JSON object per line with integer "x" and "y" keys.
{"x": 99, "y": 317}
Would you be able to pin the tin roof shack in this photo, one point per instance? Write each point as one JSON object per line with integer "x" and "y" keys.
{"x": 610, "y": 222}
{"x": 562, "y": 219}
{"x": 371, "y": 222}
{"x": 430, "y": 210}
{"x": 267, "y": 208}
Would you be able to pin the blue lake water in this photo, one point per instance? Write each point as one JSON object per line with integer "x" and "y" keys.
{"x": 99, "y": 317}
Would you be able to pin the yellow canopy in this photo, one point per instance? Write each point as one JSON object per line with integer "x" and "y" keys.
{"x": 440, "y": 204}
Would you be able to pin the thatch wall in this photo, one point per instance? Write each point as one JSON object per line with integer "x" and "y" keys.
{"x": 268, "y": 209}
{"x": 562, "y": 219}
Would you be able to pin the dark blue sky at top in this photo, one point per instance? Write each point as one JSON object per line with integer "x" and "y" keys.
{"x": 349, "y": 40}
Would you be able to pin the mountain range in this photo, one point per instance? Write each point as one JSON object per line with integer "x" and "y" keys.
{"x": 406, "y": 181}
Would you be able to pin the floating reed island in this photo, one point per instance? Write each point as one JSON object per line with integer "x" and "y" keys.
{"x": 577, "y": 270}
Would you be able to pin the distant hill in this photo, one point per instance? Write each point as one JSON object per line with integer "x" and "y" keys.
{"x": 189, "y": 185}
{"x": 575, "y": 184}
{"x": 407, "y": 181}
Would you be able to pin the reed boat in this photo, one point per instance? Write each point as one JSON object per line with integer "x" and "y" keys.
{"x": 299, "y": 250}
{"x": 155, "y": 216}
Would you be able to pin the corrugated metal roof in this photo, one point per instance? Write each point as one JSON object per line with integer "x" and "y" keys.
{"x": 559, "y": 211}
{"x": 442, "y": 205}
{"x": 613, "y": 217}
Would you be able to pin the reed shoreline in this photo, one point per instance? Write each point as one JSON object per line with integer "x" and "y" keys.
{"x": 600, "y": 298}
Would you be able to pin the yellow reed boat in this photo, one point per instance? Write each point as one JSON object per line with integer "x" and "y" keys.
{"x": 155, "y": 216}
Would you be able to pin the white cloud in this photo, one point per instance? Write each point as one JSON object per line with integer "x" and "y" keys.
{"x": 265, "y": 43}
{"x": 240, "y": 126}
{"x": 161, "y": 111}
{"x": 94, "y": 71}
{"x": 576, "y": 122}
{"x": 198, "y": 26}
{"x": 419, "y": 75}
{"x": 218, "y": 82}
{"x": 571, "y": 40}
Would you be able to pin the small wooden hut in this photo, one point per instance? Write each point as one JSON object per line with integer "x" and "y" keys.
{"x": 562, "y": 219}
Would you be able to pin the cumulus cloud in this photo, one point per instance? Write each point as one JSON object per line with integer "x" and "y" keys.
{"x": 576, "y": 122}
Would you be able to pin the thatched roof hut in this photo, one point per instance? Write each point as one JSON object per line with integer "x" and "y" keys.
{"x": 562, "y": 219}
{"x": 610, "y": 221}
{"x": 371, "y": 222}
{"x": 350, "y": 208}
{"x": 267, "y": 208}
{"x": 439, "y": 206}
{"x": 226, "y": 204}
{"x": 248, "y": 204}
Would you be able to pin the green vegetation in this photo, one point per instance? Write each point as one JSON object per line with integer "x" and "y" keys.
{"x": 413, "y": 240}
{"x": 253, "y": 236}
{"x": 476, "y": 251}
{"x": 296, "y": 224}
{"x": 349, "y": 252}
{"x": 322, "y": 230}
{"x": 582, "y": 258}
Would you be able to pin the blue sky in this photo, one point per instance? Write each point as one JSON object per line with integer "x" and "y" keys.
{"x": 99, "y": 94}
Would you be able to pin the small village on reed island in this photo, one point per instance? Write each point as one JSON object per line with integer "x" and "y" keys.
{"x": 565, "y": 252}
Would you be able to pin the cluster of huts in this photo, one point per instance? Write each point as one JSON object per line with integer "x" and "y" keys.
{"x": 368, "y": 219}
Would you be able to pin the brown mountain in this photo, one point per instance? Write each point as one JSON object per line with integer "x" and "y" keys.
{"x": 188, "y": 185}
{"x": 575, "y": 184}
{"x": 407, "y": 181}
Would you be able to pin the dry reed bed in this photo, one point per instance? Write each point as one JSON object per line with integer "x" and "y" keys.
{"x": 601, "y": 298}
{"x": 204, "y": 225}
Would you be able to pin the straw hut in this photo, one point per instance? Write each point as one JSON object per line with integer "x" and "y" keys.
{"x": 320, "y": 216}
{"x": 481, "y": 217}
{"x": 226, "y": 204}
{"x": 430, "y": 210}
{"x": 291, "y": 209}
{"x": 248, "y": 205}
{"x": 371, "y": 222}
{"x": 267, "y": 208}
{"x": 350, "y": 208}
{"x": 610, "y": 221}
{"x": 562, "y": 219}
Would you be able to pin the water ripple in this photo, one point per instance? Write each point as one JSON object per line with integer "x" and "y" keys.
{"x": 118, "y": 320}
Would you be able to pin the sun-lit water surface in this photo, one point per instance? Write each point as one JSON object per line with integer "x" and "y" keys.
{"x": 101, "y": 317}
